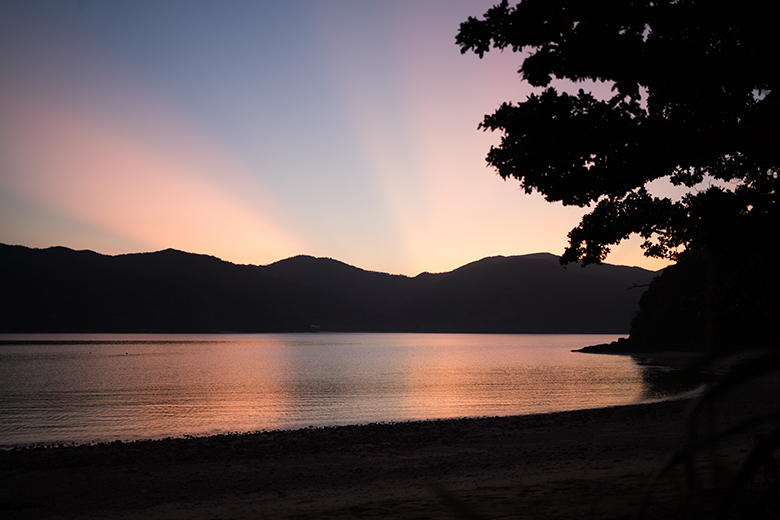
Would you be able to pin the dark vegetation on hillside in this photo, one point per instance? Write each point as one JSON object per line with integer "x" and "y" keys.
{"x": 694, "y": 101}
{"x": 61, "y": 290}
{"x": 718, "y": 303}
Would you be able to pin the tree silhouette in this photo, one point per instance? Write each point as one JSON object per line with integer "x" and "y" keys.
{"x": 695, "y": 88}
{"x": 695, "y": 96}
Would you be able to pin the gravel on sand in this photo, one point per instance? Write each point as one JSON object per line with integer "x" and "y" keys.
{"x": 581, "y": 464}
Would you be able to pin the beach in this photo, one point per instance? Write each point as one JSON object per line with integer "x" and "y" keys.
{"x": 581, "y": 464}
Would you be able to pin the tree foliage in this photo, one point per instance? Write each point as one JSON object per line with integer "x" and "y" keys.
{"x": 695, "y": 96}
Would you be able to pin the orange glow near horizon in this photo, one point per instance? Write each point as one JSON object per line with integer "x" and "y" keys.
{"x": 120, "y": 181}
{"x": 356, "y": 140}
{"x": 447, "y": 206}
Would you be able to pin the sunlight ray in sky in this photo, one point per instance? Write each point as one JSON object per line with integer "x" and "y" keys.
{"x": 254, "y": 131}
{"x": 161, "y": 194}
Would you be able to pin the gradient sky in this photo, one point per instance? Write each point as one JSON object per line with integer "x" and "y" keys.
{"x": 256, "y": 130}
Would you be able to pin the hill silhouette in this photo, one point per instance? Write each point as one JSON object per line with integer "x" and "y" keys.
{"x": 62, "y": 290}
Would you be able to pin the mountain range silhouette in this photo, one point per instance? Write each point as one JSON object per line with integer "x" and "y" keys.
{"x": 61, "y": 290}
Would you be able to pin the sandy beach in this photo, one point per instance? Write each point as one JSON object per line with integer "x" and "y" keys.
{"x": 581, "y": 464}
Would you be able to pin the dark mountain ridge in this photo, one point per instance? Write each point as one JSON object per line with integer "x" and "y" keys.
{"x": 62, "y": 290}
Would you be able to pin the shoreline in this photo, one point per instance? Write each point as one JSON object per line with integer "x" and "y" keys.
{"x": 682, "y": 396}
{"x": 569, "y": 464}
{"x": 363, "y": 463}
{"x": 561, "y": 464}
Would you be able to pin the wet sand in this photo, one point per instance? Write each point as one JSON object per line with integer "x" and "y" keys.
{"x": 582, "y": 464}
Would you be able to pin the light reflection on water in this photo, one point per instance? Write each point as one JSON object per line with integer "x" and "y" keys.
{"x": 84, "y": 388}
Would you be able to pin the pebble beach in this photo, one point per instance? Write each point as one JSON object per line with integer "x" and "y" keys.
{"x": 596, "y": 463}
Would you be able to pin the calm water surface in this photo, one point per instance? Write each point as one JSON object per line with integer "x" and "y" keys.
{"x": 84, "y": 388}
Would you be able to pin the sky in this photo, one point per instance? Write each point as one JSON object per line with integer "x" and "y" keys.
{"x": 259, "y": 130}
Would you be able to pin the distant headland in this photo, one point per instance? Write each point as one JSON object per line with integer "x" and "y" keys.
{"x": 61, "y": 290}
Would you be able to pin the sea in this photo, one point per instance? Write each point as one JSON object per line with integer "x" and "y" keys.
{"x": 87, "y": 388}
